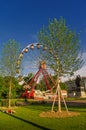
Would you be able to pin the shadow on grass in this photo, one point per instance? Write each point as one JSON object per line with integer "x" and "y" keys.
{"x": 29, "y": 122}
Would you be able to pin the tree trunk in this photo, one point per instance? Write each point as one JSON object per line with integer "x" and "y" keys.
{"x": 9, "y": 96}
{"x": 59, "y": 97}
{"x": 58, "y": 93}
{"x": 52, "y": 109}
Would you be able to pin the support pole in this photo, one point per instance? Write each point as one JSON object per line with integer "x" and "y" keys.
{"x": 64, "y": 102}
{"x": 52, "y": 109}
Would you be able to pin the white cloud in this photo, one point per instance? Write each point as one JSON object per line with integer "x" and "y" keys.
{"x": 82, "y": 71}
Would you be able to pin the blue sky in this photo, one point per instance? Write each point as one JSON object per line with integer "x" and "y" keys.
{"x": 22, "y": 19}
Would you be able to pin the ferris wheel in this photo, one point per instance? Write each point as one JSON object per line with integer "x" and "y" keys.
{"x": 34, "y": 62}
{"x": 31, "y": 61}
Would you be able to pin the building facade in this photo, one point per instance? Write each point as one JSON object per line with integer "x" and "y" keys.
{"x": 77, "y": 87}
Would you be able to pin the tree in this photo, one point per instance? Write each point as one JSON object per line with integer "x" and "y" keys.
{"x": 2, "y": 88}
{"x": 10, "y": 52}
{"x": 63, "y": 55}
{"x": 28, "y": 78}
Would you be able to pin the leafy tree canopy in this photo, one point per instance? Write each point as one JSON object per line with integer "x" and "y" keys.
{"x": 64, "y": 53}
{"x": 9, "y": 56}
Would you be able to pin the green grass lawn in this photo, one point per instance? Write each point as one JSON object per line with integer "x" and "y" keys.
{"x": 27, "y": 118}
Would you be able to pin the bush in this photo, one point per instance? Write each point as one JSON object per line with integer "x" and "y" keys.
{"x": 63, "y": 86}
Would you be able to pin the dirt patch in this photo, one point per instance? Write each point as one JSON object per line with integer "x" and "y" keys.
{"x": 57, "y": 114}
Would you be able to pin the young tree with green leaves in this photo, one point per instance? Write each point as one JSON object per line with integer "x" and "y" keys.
{"x": 28, "y": 78}
{"x": 9, "y": 57}
{"x": 63, "y": 55}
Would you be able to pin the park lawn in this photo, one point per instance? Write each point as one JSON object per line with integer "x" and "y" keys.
{"x": 27, "y": 118}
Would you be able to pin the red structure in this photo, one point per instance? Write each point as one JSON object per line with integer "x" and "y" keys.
{"x": 42, "y": 70}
